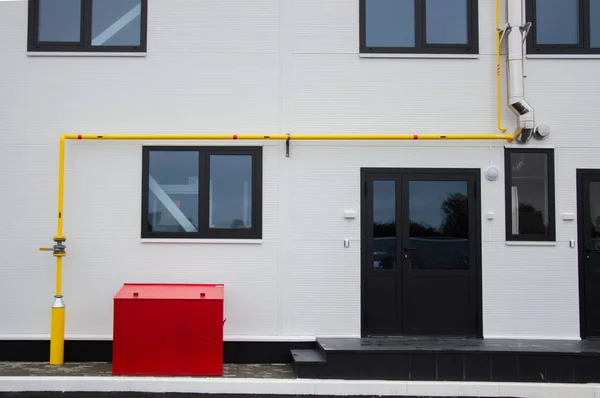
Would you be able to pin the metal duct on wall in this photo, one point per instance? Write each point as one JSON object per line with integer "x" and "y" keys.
{"x": 516, "y": 33}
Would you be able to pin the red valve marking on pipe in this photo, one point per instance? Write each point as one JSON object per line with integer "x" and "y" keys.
{"x": 235, "y": 136}
{"x": 416, "y": 136}
{"x": 79, "y": 137}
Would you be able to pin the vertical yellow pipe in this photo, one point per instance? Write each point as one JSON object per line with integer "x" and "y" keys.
{"x": 61, "y": 185}
{"x": 57, "y": 324}
{"x": 59, "y": 276}
{"x": 498, "y": 80}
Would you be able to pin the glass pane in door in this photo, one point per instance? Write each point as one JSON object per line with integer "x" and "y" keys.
{"x": 384, "y": 224}
{"x": 438, "y": 225}
{"x": 594, "y": 214}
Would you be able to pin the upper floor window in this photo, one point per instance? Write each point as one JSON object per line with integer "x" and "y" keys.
{"x": 564, "y": 26}
{"x": 87, "y": 25}
{"x": 418, "y": 26}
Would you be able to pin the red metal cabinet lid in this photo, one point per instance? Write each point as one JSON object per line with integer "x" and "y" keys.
{"x": 170, "y": 291}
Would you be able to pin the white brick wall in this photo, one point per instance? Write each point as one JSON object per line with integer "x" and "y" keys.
{"x": 266, "y": 66}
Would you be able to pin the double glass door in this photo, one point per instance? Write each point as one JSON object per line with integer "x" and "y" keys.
{"x": 421, "y": 268}
{"x": 589, "y": 251}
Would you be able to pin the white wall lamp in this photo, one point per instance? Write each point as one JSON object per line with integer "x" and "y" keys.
{"x": 492, "y": 173}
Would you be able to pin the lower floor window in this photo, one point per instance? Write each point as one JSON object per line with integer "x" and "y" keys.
{"x": 202, "y": 192}
{"x": 530, "y": 194}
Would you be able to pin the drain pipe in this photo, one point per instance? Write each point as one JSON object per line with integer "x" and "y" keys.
{"x": 516, "y": 32}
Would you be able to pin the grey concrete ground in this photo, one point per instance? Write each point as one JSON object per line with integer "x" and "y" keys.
{"x": 260, "y": 371}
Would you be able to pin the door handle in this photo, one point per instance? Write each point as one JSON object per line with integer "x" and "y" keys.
{"x": 406, "y": 250}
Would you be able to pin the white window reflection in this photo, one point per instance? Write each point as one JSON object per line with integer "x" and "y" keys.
{"x": 173, "y": 191}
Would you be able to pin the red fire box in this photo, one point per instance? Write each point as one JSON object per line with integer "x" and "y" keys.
{"x": 168, "y": 330}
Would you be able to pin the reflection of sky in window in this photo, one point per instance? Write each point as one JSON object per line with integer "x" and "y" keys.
{"x": 595, "y": 23}
{"x": 59, "y": 20}
{"x": 384, "y": 202}
{"x": 557, "y": 21}
{"x": 176, "y": 173}
{"x": 446, "y": 21}
{"x": 390, "y": 23}
{"x": 231, "y": 179}
{"x": 174, "y": 167}
{"x": 116, "y": 22}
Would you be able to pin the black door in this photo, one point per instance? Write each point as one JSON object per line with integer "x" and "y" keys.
{"x": 420, "y": 263}
{"x": 589, "y": 251}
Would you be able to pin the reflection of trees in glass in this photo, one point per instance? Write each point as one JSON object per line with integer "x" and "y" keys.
{"x": 384, "y": 230}
{"x": 456, "y": 222}
{"x": 531, "y": 220}
{"x": 526, "y": 208}
{"x": 595, "y": 230}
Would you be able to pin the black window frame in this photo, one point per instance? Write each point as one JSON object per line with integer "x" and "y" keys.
{"x": 421, "y": 46}
{"x": 204, "y": 232}
{"x": 85, "y": 43}
{"x": 550, "y": 236}
{"x": 570, "y": 49}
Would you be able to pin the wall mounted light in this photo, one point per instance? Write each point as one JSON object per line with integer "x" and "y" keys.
{"x": 492, "y": 173}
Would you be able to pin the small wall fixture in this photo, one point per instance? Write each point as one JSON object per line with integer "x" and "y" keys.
{"x": 350, "y": 214}
{"x": 492, "y": 173}
{"x": 568, "y": 216}
{"x": 541, "y": 131}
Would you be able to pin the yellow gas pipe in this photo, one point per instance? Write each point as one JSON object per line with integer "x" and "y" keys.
{"x": 498, "y": 79}
{"x": 57, "y": 328}
{"x": 288, "y": 136}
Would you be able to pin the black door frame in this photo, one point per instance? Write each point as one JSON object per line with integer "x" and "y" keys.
{"x": 364, "y": 172}
{"x": 581, "y": 173}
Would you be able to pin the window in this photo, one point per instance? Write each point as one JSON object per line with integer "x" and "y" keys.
{"x": 202, "y": 192}
{"x": 564, "y": 26}
{"x": 418, "y": 26}
{"x": 87, "y": 25}
{"x": 529, "y": 188}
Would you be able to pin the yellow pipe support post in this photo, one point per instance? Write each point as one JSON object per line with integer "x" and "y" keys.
{"x": 498, "y": 79}
{"x": 57, "y": 327}
{"x": 57, "y": 322}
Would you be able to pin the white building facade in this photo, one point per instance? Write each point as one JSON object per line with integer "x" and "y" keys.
{"x": 340, "y": 238}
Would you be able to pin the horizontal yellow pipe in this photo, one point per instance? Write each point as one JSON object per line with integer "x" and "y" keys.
{"x": 406, "y": 137}
{"x": 508, "y": 137}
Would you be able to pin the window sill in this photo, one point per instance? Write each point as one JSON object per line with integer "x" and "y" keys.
{"x": 84, "y": 54}
{"x": 530, "y": 243}
{"x": 563, "y": 56}
{"x": 205, "y": 241}
{"x": 423, "y": 56}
